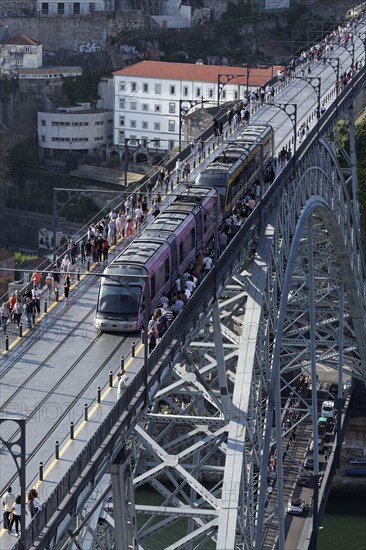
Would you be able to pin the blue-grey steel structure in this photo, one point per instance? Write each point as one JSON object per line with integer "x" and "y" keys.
{"x": 285, "y": 298}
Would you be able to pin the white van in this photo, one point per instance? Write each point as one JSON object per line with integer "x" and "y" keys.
{"x": 328, "y": 409}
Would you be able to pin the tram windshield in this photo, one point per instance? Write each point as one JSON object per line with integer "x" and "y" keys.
{"x": 119, "y": 300}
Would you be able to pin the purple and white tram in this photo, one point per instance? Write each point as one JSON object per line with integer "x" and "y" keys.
{"x": 155, "y": 258}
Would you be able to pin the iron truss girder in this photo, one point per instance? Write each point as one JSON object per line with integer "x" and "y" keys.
{"x": 307, "y": 251}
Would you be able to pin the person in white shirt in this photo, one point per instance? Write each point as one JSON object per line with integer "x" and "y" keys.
{"x": 8, "y": 501}
{"x": 189, "y": 285}
{"x": 122, "y": 383}
{"x": 16, "y": 509}
{"x": 207, "y": 264}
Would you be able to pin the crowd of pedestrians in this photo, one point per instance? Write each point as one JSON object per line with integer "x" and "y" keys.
{"x": 12, "y": 509}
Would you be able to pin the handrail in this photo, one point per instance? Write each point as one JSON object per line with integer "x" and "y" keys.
{"x": 125, "y": 412}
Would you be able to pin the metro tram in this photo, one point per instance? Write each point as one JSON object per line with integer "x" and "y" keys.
{"x": 173, "y": 240}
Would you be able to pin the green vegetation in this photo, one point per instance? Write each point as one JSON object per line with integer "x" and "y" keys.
{"x": 21, "y": 258}
{"x": 84, "y": 88}
{"x": 361, "y": 158}
{"x": 23, "y": 158}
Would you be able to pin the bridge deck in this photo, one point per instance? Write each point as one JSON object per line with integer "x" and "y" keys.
{"x": 55, "y": 369}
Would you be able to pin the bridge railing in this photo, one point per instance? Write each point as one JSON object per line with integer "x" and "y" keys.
{"x": 112, "y": 431}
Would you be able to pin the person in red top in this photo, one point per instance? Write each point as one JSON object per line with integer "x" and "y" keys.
{"x": 37, "y": 278}
{"x": 12, "y": 302}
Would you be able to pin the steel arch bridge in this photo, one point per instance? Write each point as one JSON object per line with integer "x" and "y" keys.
{"x": 286, "y": 296}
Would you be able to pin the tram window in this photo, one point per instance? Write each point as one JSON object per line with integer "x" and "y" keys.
{"x": 204, "y": 223}
{"x": 193, "y": 238}
{"x": 167, "y": 270}
{"x": 181, "y": 252}
{"x": 153, "y": 287}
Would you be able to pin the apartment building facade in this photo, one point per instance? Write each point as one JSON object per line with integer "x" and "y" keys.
{"x": 151, "y": 97}
{"x": 19, "y": 52}
{"x": 80, "y": 129}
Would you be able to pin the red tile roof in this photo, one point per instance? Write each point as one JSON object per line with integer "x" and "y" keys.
{"x": 22, "y": 40}
{"x": 199, "y": 73}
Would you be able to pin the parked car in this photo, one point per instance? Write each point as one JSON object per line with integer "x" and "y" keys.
{"x": 309, "y": 462}
{"x": 320, "y": 445}
{"x": 322, "y": 425}
{"x": 296, "y": 506}
{"x": 305, "y": 481}
{"x": 328, "y": 409}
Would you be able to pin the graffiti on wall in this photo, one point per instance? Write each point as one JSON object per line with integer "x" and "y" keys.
{"x": 89, "y": 47}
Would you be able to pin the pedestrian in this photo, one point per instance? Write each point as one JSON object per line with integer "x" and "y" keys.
{"x": 29, "y": 311}
{"x": 8, "y": 501}
{"x": 67, "y": 288}
{"x": 129, "y": 227}
{"x": 37, "y": 278}
{"x": 17, "y": 312}
{"x": 16, "y": 511}
{"x": 12, "y": 302}
{"x": 49, "y": 283}
{"x": 36, "y": 295}
{"x": 207, "y": 264}
{"x": 34, "y": 504}
{"x": 105, "y": 249}
{"x": 151, "y": 338}
{"x": 122, "y": 382}
{"x": 5, "y": 315}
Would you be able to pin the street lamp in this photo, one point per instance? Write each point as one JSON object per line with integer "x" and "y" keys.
{"x": 71, "y": 194}
{"x": 225, "y": 78}
{"x": 315, "y": 82}
{"x": 334, "y": 63}
{"x": 19, "y": 458}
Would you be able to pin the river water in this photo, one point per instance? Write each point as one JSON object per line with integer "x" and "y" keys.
{"x": 344, "y": 524}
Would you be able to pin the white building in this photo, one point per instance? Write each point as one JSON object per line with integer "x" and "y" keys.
{"x": 78, "y": 128}
{"x": 19, "y": 52}
{"x": 50, "y": 72}
{"x": 69, "y": 7}
{"x": 149, "y": 97}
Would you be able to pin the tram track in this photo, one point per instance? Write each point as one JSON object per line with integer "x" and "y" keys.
{"x": 69, "y": 408}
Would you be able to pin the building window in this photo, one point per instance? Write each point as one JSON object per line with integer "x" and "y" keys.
{"x": 122, "y": 86}
{"x": 122, "y": 103}
{"x": 132, "y": 140}
{"x": 133, "y": 87}
{"x": 76, "y": 8}
{"x": 133, "y": 123}
{"x": 156, "y": 142}
{"x": 60, "y": 8}
{"x": 171, "y": 144}
{"x": 157, "y": 108}
{"x": 133, "y": 106}
{"x": 27, "y": 49}
{"x": 121, "y": 120}
{"x": 171, "y": 107}
{"x": 145, "y": 125}
{"x": 19, "y": 61}
{"x": 198, "y": 92}
{"x": 145, "y": 88}
{"x": 43, "y": 122}
{"x": 157, "y": 88}
{"x": 172, "y": 89}
{"x": 171, "y": 126}
{"x": 44, "y": 8}
{"x": 185, "y": 90}
{"x": 91, "y": 7}
{"x": 121, "y": 136}
{"x": 223, "y": 94}
{"x": 157, "y": 126}
{"x": 43, "y": 139}
{"x": 145, "y": 107}
{"x": 210, "y": 92}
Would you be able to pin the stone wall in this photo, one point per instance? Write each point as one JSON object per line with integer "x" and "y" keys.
{"x": 77, "y": 33}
